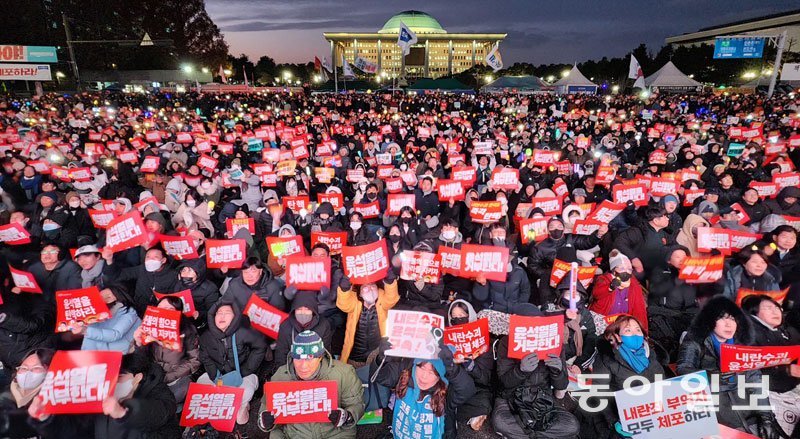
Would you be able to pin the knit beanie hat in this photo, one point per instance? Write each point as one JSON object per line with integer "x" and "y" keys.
{"x": 618, "y": 260}
{"x": 307, "y": 345}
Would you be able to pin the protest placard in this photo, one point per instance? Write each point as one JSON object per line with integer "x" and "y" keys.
{"x": 83, "y": 306}
{"x": 126, "y": 231}
{"x": 486, "y": 212}
{"x": 366, "y": 264}
{"x": 225, "y": 253}
{"x": 179, "y": 247}
{"x": 470, "y": 339}
{"x": 308, "y": 272}
{"x": 698, "y": 270}
{"x": 163, "y": 327}
{"x": 334, "y": 240}
{"x": 489, "y": 260}
{"x": 14, "y": 234}
{"x": 264, "y": 317}
{"x": 185, "y": 296}
{"x": 24, "y": 280}
{"x": 738, "y": 358}
{"x": 635, "y": 192}
{"x": 335, "y": 198}
{"x": 297, "y": 402}
{"x": 101, "y": 218}
{"x": 505, "y": 178}
{"x": 778, "y": 296}
{"x": 420, "y": 266}
{"x": 395, "y": 202}
{"x": 368, "y": 210}
{"x": 215, "y": 405}
{"x": 280, "y": 247}
{"x": 450, "y": 189}
{"x": 540, "y": 335}
{"x": 77, "y": 382}
{"x": 411, "y": 334}
{"x": 233, "y": 225}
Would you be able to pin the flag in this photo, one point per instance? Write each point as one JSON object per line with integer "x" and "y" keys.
{"x": 406, "y": 39}
{"x": 347, "y": 72}
{"x": 244, "y": 72}
{"x": 326, "y": 65}
{"x": 320, "y": 66}
{"x": 493, "y": 58}
{"x": 635, "y": 72}
{"x": 366, "y": 65}
{"x": 222, "y": 75}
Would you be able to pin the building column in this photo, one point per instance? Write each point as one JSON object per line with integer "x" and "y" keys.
{"x": 450, "y": 57}
{"x": 355, "y": 50}
{"x": 380, "y": 57}
{"x": 333, "y": 55}
{"x": 427, "y": 57}
{"x": 474, "y": 48}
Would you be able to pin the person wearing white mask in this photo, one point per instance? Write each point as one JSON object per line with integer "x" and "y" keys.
{"x": 156, "y": 274}
{"x": 359, "y": 234}
{"x": 194, "y": 212}
{"x": 27, "y": 381}
{"x": 141, "y": 406}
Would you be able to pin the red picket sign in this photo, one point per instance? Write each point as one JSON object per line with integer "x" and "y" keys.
{"x": 24, "y": 281}
{"x": 738, "y": 358}
{"x": 786, "y": 179}
{"x": 778, "y": 296}
{"x": 368, "y": 210}
{"x": 545, "y": 157}
{"x": 264, "y": 317}
{"x": 605, "y": 175}
{"x": 126, "y": 231}
{"x": 308, "y": 272}
{"x": 334, "y": 240}
{"x": 295, "y": 204}
{"x": 660, "y": 187}
{"x": 179, "y": 247}
{"x": 486, "y": 212}
{"x": 150, "y": 164}
{"x": 491, "y": 261}
{"x": 385, "y": 172}
{"x": 207, "y": 162}
{"x": 235, "y": 224}
{"x": 542, "y": 335}
{"x": 532, "y": 229}
{"x": 83, "y": 306}
{"x": 450, "y": 189}
{"x": 586, "y": 227}
{"x": 286, "y": 246}
{"x": 418, "y": 265}
{"x": 366, "y": 264}
{"x": 101, "y": 218}
{"x": 635, "y": 192}
{"x": 658, "y": 157}
{"x": 550, "y": 205}
{"x": 163, "y": 327}
{"x": 77, "y": 382}
{"x": 395, "y": 202}
{"x": 699, "y": 270}
{"x": 606, "y": 212}
{"x": 713, "y": 238}
{"x": 562, "y": 268}
{"x": 394, "y": 185}
{"x": 215, "y": 405}
{"x": 185, "y": 138}
{"x": 689, "y": 195}
{"x": 740, "y": 239}
{"x": 450, "y": 260}
{"x": 465, "y": 174}
{"x": 298, "y": 402}
{"x": 336, "y": 199}
{"x": 14, "y": 234}
{"x": 505, "y": 178}
{"x": 225, "y": 253}
{"x": 470, "y": 339}
{"x": 764, "y": 189}
{"x": 185, "y": 296}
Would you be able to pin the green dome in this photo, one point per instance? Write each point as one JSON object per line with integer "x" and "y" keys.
{"x": 419, "y": 22}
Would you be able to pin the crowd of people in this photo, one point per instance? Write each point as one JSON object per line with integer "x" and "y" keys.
{"x": 732, "y": 160}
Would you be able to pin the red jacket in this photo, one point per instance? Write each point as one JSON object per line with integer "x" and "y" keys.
{"x": 604, "y": 298}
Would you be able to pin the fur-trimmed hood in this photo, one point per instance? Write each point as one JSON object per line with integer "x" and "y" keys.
{"x": 703, "y": 324}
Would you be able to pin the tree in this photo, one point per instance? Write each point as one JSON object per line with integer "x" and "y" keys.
{"x": 265, "y": 69}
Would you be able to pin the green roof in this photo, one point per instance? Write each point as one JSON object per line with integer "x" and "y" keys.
{"x": 418, "y": 22}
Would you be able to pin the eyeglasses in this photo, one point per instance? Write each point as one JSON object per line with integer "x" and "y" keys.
{"x": 34, "y": 369}
{"x": 49, "y": 252}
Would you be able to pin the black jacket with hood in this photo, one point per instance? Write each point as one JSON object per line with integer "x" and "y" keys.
{"x": 291, "y": 327}
{"x": 216, "y": 347}
{"x": 268, "y": 288}
{"x": 204, "y": 293}
{"x": 779, "y": 206}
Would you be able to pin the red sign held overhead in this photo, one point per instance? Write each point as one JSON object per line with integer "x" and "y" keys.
{"x": 369, "y": 210}
{"x": 298, "y": 402}
{"x": 77, "y": 382}
{"x": 505, "y": 178}
{"x": 540, "y": 335}
{"x": 126, "y": 231}
{"x": 235, "y": 224}
{"x": 225, "y": 253}
{"x": 308, "y": 272}
{"x": 738, "y": 358}
{"x": 486, "y": 212}
{"x": 422, "y": 266}
{"x": 334, "y": 240}
{"x": 14, "y": 234}
{"x": 366, "y": 264}
{"x": 450, "y": 189}
{"x": 635, "y": 192}
{"x": 286, "y": 246}
{"x": 491, "y": 261}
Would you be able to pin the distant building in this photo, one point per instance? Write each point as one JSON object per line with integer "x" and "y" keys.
{"x": 770, "y": 25}
{"x": 437, "y": 53}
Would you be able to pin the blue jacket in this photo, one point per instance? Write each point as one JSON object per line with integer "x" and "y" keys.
{"x": 114, "y": 334}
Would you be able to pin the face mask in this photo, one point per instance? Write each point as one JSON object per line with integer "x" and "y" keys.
{"x": 206, "y": 185}
{"x": 459, "y": 320}
{"x": 449, "y": 235}
{"x": 565, "y": 303}
{"x": 405, "y": 220}
{"x": 152, "y": 265}
{"x": 394, "y": 238}
{"x": 556, "y": 234}
{"x": 369, "y": 296}
{"x": 303, "y": 319}
{"x": 75, "y": 204}
{"x": 123, "y": 389}
{"x": 355, "y": 226}
{"x": 187, "y": 280}
{"x": 191, "y": 203}
{"x": 30, "y": 380}
{"x": 372, "y": 196}
{"x": 624, "y": 276}
{"x": 50, "y": 227}
{"x": 632, "y": 342}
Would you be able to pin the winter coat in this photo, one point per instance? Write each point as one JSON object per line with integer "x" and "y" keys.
{"x": 204, "y": 293}
{"x": 197, "y": 216}
{"x": 756, "y": 212}
{"x": 429, "y": 296}
{"x": 645, "y": 243}
{"x": 350, "y": 304}
{"x": 669, "y": 291}
{"x": 162, "y": 281}
{"x": 686, "y": 237}
{"x": 29, "y": 322}
{"x": 177, "y": 364}
{"x": 426, "y": 204}
{"x": 737, "y": 277}
{"x": 151, "y": 415}
{"x": 350, "y": 398}
{"x": 779, "y": 206}
{"x": 511, "y": 376}
{"x": 780, "y": 380}
{"x": 697, "y": 353}
{"x": 502, "y": 296}
{"x": 290, "y": 327}
{"x": 216, "y": 348}
{"x": 65, "y": 276}
{"x": 603, "y": 298}
{"x": 268, "y": 288}
{"x": 542, "y": 255}
{"x": 114, "y": 334}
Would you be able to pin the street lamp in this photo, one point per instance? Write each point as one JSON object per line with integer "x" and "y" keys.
{"x": 615, "y": 88}
{"x": 565, "y": 73}
{"x": 187, "y": 68}
{"x": 59, "y": 77}
{"x": 227, "y": 72}
{"x": 489, "y": 78}
{"x": 287, "y": 75}
{"x": 205, "y": 70}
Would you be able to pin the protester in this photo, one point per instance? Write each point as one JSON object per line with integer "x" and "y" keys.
{"x": 116, "y": 333}
{"x": 27, "y": 382}
{"x": 366, "y": 308}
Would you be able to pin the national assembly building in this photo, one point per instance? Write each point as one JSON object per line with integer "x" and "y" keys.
{"x": 437, "y": 52}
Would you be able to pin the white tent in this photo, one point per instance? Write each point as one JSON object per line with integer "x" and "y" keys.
{"x": 575, "y": 82}
{"x": 670, "y": 79}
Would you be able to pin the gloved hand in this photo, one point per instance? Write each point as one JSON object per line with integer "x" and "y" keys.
{"x": 266, "y": 421}
{"x": 390, "y": 276}
{"x": 340, "y": 417}
{"x": 620, "y": 431}
{"x": 345, "y": 284}
{"x": 384, "y": 346}
{"x": 2, "y": 317}
{"x": 529, "y": 363}
{"x": 446, "y": 355}
{"x": 290, "y": 292}
{"x": 554, "y": 363}
{"x": 767, "y": 428}
{"x": 615, "y": 283}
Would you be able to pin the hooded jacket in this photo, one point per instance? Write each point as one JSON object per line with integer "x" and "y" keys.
{"x": 290, "y": 327}
{"x": 204, "y": 293}
{"x": 779, "y": 206}
{"x": 501, "y": 296}
{"x": 686, "y": 238}
{"x": 65, "y": 276}
{"x": 216, "y": 347}
{"x": 114, "y": 334}
{"x": 177, "y": 364}
{"x": 737, "y": 277}
{"x": 145, "y": 282}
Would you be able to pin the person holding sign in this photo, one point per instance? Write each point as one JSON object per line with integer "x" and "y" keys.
{"x": 26, "y": 384}
{"x": 310, "y": 361}
{"x": 428, "y": 392}
{"x": 155, "y": 274}
{"x": 141, "y": 406}
{"x": 192, "y": 275}
{"x": 53, "y": 271}
{"x": 116, "y": 333}
{"x": 618, "y": 291}
{"x": 231, "y": 353}
{"x": 623, "y": 354}
{"x": 26, "y": 323}
{"x": 581, "y": 338}
{"x": 179, "y": 365}
{"x": 412, "y": 229}
{"x": 255, "y": 279}
{"x": 303, "y": 317}
{"x": 525, "y": 407}
{"x": 719, "y": 322}
{"x": 754, "y": 272}
{"x": 784, "y": 381}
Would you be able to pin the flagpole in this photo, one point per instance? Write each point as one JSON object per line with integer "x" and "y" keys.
{"x": 335, "y": 76}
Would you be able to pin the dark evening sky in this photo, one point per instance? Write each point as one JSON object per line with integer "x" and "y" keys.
{"x": 538, "y": 31}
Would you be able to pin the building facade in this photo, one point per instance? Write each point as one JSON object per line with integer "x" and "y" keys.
{"x": 770, "y": 25}
{"x": 437, "y": 52}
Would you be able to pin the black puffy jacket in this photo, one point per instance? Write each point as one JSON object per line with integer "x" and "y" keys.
{"x": 204, "y": 293}
{"x": 267, "y": 288}
{"x": 216, "y": 347}
{"x": 27, "y": 323}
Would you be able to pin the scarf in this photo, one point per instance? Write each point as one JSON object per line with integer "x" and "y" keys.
{"x": 21, "y": 397}
{"x": 718, "y": 344}
{"x": 636, "y": 358}
{"x": 88, "y": 276}
{"x": 577, "y": 334}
